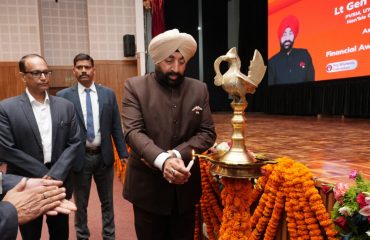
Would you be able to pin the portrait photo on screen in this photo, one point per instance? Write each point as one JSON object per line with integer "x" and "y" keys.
{"x": 315, "y": 40}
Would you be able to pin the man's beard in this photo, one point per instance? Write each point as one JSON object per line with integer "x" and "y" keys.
{"x": 165, "y": 80}
{"x": 286, "y": 48}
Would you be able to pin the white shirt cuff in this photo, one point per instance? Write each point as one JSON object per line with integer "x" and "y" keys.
{"x": 177, "y": 153}
{"x": 160, "y": 159}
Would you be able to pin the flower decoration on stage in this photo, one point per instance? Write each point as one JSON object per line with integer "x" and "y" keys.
{"x": 351, "y": 212}
{"x": 287, "y": 185}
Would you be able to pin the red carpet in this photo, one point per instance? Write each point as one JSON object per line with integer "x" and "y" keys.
{"x": 124, "y": 218}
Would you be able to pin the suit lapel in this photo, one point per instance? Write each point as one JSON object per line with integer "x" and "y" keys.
{"x": 75, "y": 98}
{"x": 54, "y": 119}
{"x": 29, "y": 115}
{"x": 100, "y": 93}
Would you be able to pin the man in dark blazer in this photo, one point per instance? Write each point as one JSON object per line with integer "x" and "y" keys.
{"x": 40, "y": 196}
{"x": 97, "y": 150}
{"x": 166, "y": 116}
{"x": 290, "y": 65}
{"x": 39, "y": 138}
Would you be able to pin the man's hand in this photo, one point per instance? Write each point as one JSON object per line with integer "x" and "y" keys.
{"x": 65, "y": 207}
{"x": 37, "y": 182}
{"x": 123, "y": 161}
{"x": 174, "y": 171}
{"x": 31, "y": 203}
{"x": 47, "y": 177}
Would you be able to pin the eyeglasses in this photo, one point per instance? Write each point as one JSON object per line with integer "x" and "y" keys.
{"x": 37, "y": 74}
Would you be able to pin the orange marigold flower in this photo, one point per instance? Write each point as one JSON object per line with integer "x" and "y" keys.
{"x": 237, "y": 202}
{"x": 301, "y": 223}
{"x": 310, "y": 220}
{"x": 311, "y": 191}
{"x": 299, "y": 216}
{"x": 308, "y": 214}
{"x": 315, "y": 232}
{"x": 325, "y": 223}
{"x": 308, "y": 184}
{"x": 291, "y": 225}
{"x": 315, "y": 197}
{"x": 317, "y": 238}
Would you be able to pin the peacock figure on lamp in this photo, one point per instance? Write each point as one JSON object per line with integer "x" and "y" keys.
{"x": 237, "y": 162}
{"x": 234, "y": 81}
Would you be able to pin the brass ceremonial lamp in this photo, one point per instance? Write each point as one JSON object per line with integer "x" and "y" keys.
{"x": 237, "y": 163}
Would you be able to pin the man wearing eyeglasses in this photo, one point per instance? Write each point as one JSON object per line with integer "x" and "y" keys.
{"x": 39, "y": 138}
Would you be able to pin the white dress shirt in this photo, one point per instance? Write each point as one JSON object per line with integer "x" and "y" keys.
{"x": 41, "y": 111}
{"x": 95, "y": 110}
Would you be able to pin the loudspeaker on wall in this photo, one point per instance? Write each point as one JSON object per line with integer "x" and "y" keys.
{"x": 129, "y": 45}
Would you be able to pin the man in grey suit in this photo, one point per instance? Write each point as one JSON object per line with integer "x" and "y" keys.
{"x": 39, "y": 138}
{"x": 99, "y": 119}
{"x": 26, "y": 199}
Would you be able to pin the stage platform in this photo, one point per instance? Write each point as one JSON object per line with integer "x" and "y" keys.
{"x": 330, "y": 146}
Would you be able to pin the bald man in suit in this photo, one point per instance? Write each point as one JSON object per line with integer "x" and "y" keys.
{"x": 39, "y": 138}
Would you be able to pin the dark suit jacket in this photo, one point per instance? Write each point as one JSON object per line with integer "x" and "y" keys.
{"x": 157, "y": 119}
{"x": 8, "y": 221}
{"x": 9, "y": 181}
{"x": 20, "y": 140}
{"x": 8, "y": 213}
{"x": 293, "y": 68}
{"x": 110, "y": 123}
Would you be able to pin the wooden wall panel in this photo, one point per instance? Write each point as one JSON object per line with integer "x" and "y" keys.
{"x": 114, "y": 73}
{"x": 10, "y": 81}
{"x": 62, "y": 76}
{"x": 110, "y": 73}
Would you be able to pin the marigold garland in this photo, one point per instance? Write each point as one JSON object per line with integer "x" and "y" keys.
{"x": 118, "y": 165}
{"x": 236, "y": 213}
{"x": 287, "y": 185}
{"x": 197, "y": 230}
{"x": 210, "y": 207}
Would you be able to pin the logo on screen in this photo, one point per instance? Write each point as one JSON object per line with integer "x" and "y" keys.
{"x": 341, "y": 66}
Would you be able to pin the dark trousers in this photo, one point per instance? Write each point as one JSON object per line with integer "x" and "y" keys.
{"x": 58, "y": 228}
{"x": 103, "y": 177}
{"x": 150, "y": 226}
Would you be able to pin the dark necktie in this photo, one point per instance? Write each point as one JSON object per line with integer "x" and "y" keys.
{"x": 89, "y": 117}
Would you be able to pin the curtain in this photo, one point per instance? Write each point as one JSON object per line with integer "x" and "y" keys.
{"x": 157, "y": 17}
